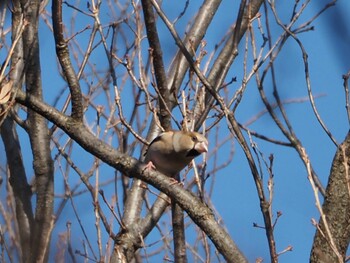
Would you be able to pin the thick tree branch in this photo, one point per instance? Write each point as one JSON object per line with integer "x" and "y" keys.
{"x": 135, "y": 196}
{"x": 134, "y": 200}
{"x": 192, "y": 40}
{"x": 39, "y": 138}
{"x": 333, "y": 234}
{"x": 62, "y": 52}
{"x": 166, "y": 100}
{"x": 226, "y": 56}
{"x": 229, "y": 52}
{"x": 165, "y": 97}
{"x": 234, "y": 128}
{"x": 20, "y": 186}
{"x": 195, "y": 208}
{"x": 179, "y": 239}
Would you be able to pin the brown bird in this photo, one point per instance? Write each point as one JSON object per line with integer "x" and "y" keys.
{"x": 171, "y": 151}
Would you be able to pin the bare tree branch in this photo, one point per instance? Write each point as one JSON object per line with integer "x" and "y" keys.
{"x": 63, "y": 56}
{"x": 195, "y": 208}
{"x": 332, "y": 246}
{"x": 39, "y": 138}
{"x": 21, "y": 188}
{"x": 192, "y": 40}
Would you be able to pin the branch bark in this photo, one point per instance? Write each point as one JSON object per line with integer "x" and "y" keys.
{"x": 39, "y": 138}
{"x": 62, "y": 52}
{"x": 20, "y": 186}
{"x": 336, "y": 208}
{"x": 165, "y": 98}
{"x": 199, "y": 212}
{"x": 192, "y": 40}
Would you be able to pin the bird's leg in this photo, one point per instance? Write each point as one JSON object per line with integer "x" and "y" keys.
{"x": 176, "y": 180}
{"x": 149, "y": 166}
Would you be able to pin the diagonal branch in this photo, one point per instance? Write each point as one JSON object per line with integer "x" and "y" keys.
{"x": 199, "y": 212}
{"x": 62, "y": 52}
{"x": 192, "y": 40}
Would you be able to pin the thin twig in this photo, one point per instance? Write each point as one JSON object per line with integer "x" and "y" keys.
{"x": 328, "y": 236}
{"x": 346, "y": 89}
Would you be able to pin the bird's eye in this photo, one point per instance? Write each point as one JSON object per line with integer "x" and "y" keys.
{"x": 194, "y": 138}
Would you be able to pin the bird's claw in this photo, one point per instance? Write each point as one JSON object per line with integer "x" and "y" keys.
{"x": 174, "y": 181}
{"x": 148, "y": 167}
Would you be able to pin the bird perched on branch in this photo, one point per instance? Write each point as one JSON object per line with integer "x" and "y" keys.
{"x": 171, "y": 151}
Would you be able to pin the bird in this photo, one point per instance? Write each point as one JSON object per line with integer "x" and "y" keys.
{"x": 171, "y": 151}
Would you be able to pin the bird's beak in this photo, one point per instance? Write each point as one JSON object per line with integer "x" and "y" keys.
{"x": 202, "y": 147}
